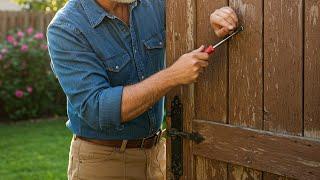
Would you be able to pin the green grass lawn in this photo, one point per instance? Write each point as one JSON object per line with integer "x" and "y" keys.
{"x": 34, "y": 150}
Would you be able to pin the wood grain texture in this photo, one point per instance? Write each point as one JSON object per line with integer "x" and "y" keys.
{"x": 269, "y": 176}
{"x": 207, "y": 169}
{"x": 3, "y": 24}
{"x": 211, "y": 88}
{"x": 245, "y": 70}
{"x": 312, "y": 69}
{"x": 245, "y": 75}
{"x": 285, "y": 155}
{"x": 180, "y": 40}
{"x": 283, "y": 44}
{"x": 236, "y": 172}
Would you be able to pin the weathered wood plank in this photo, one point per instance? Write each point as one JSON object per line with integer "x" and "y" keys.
{"x": 312, "y": 69}
{"x": 207, "y": 169}
{"x": 285, "y": 155}
{"x": 212, "y": 86}
{"x": 181, "y": 39}
{"x": 246, "y": 78}
{"x": 283, "y": 66}
{"x": 245, "y": 70}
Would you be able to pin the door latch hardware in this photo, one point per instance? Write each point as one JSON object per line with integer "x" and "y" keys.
{"x": 194, "y": 136}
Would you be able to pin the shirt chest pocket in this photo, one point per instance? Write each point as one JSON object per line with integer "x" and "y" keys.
{"x": 154, "y": 47}
{"x": 120, "y": 69}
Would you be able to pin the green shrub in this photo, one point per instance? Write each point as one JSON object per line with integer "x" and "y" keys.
{"x": 42, "y": 5}
{"x": 28, "y": 88}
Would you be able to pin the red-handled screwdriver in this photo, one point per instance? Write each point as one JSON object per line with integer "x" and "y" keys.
{"x": 210, "y": 49}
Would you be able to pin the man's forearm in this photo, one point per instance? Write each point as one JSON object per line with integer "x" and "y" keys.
{"x": 138, "y": 98}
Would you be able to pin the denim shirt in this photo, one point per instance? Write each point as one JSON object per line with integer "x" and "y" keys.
{"x": 94, "y": 55}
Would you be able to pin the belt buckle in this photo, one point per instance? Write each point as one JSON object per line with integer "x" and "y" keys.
{"x": 143, "y": 141}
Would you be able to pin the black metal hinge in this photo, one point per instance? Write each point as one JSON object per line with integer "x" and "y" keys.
{"x": 194, "y": 136}
{"x": 177, "y": 135}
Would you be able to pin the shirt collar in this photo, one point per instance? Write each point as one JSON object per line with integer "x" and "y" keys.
{"x": 96, "y": 14}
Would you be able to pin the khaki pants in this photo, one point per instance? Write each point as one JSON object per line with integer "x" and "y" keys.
{"x": 91, "y": 161}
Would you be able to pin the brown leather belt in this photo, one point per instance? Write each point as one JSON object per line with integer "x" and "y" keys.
{"x": 145, "y": 143}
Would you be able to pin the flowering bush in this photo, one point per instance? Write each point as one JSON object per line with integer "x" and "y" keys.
{"x": 28, "y": 88}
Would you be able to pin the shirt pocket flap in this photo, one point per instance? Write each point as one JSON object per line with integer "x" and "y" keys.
{"x": 118, "y": 62}
{"x": 155, "y": 42}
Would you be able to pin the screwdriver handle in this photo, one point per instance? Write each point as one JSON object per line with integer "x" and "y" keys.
{"x": 210, "y": 49}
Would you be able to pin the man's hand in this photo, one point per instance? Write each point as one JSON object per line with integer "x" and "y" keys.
{"x": 188, "y": 67}
{"x": 223, "y": 21}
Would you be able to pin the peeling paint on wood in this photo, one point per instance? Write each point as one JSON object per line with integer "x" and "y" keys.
{"x": 311, "y": 69}
{"x": 211, "y": 88}
{"x": 291, "y": 156}
{"x": 283, "y": 60}
{"x": 210, "y": 169}
{"x": 245, "y": 76}
{"x": 245, "y": 69}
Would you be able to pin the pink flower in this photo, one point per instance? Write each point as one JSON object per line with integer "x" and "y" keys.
{"x": 15, "y": 43}
{"x": 1, "y": 57}
{"x": 24, "y": 48}
{"x": 39, "y": 36}
{"x": 44, "y": 46}
{"x": 29, "y": 89}
{"x": 4, "y": 50}
{"x": 20, "y": 34}
{"x": 10, "y": 39}
{"x": 30, "y": 30}
{"x": 19, "y": 93}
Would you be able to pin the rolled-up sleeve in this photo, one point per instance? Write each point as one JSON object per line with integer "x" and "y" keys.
{"x": 83, "y": 78}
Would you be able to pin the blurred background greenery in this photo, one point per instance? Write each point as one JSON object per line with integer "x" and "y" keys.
{"x": 42, "y": 5}
{"x": 30, "y": 149}
{"x": 34, "y": 150}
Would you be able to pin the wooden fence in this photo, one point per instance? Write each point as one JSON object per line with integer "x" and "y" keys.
{"x": 11, "y": 20}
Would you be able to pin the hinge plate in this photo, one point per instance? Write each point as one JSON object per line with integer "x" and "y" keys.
{"x": 177, "y": 135}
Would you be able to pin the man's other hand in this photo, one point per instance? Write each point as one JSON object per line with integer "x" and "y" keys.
{"x": 223, "y": 21}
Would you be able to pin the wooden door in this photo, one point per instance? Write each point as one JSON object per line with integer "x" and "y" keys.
{"x": 258, "y": 103}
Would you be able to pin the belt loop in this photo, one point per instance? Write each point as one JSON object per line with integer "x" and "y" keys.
{"x": 123, "y": 145}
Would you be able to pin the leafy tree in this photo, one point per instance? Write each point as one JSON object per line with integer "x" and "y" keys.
{"x": 42, "y": 5}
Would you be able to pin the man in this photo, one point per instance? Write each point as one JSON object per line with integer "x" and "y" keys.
{"x": 109, "y": 57}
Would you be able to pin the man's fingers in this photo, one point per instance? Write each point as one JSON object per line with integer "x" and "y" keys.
{"x": 222, "y": 32}
{"x": 201, "y": 56}
{"x": 203, "y": 64}
{"x": 231, "y": 12}
{"x": 227, "y": 17}
{"x": 221, "y": 21}
{"x": 200, "y": 49}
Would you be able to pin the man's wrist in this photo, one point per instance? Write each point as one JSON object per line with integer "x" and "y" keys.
{"x": 169, "y": 78}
